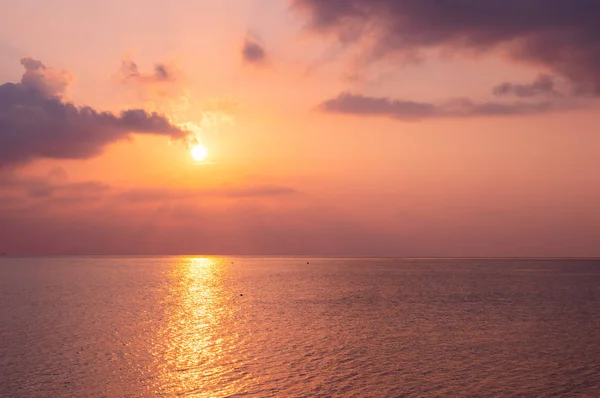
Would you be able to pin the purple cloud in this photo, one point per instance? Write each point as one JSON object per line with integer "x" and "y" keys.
{"x": 35, "y": 122}
{"x": 543, "y": 85}
{"x": 563, "y": 36}
{"x": 253, "y": 52}
{"x": 356, "y": 104}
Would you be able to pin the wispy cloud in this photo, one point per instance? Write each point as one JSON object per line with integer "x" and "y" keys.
{"x": 361, "y": 105}
{"x": 162, "y": 72}
{"x": 543, "y": 85}
{"x": 54, "y": 185}
{"x": 233, "y": 192}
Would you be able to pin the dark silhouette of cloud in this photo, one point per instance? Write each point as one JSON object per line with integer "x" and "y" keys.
{"x": 563, "y": 36}
{"x": 35, "y": 121}
{"x": 253, "y": 52}
{"x": 543, "y": 85}
{"x": 356, "y": 104}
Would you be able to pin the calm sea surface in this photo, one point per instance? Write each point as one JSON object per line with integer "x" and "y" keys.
{"x": 279, "y": 327}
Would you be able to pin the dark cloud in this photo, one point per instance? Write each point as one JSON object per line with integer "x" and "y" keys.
{"x": 35, "y": 121}
{"x": 161, "y": 73}
{"x": 348, "y": 103}
{"x": 561, "y": 35}
{"x": 543, "y": 85}
{"x": 253, "y": 52}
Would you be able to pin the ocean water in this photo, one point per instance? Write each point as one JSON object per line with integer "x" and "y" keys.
{"x": 297, "y": 327}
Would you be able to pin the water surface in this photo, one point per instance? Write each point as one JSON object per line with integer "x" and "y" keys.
{"x": 212, "y": 327}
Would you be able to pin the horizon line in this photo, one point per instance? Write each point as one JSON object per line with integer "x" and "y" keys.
{"x": 332, "y": 256}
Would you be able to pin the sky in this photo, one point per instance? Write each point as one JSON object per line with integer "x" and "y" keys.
{"x": 333, "y": 127}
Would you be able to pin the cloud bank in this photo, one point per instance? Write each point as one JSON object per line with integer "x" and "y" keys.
{"x": 36, "y": 122}
{"x": 361, "y": 105}
{"x": 562, "y": 36}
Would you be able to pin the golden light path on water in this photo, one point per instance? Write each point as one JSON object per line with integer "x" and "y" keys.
{"x": 196, "y": 350}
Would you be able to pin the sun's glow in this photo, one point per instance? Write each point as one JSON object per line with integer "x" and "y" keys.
{"x": 199, "y": 152}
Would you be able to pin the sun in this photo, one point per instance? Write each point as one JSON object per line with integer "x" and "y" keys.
{"x": 199, "y": 152}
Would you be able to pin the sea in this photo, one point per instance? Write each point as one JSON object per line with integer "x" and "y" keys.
{"x": 298, "y": 327}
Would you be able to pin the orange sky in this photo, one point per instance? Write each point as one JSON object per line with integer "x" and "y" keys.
{"x": 283, "y": 176}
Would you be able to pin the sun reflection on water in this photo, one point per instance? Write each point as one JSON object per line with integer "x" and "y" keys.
{"x": 197, "y": 343}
